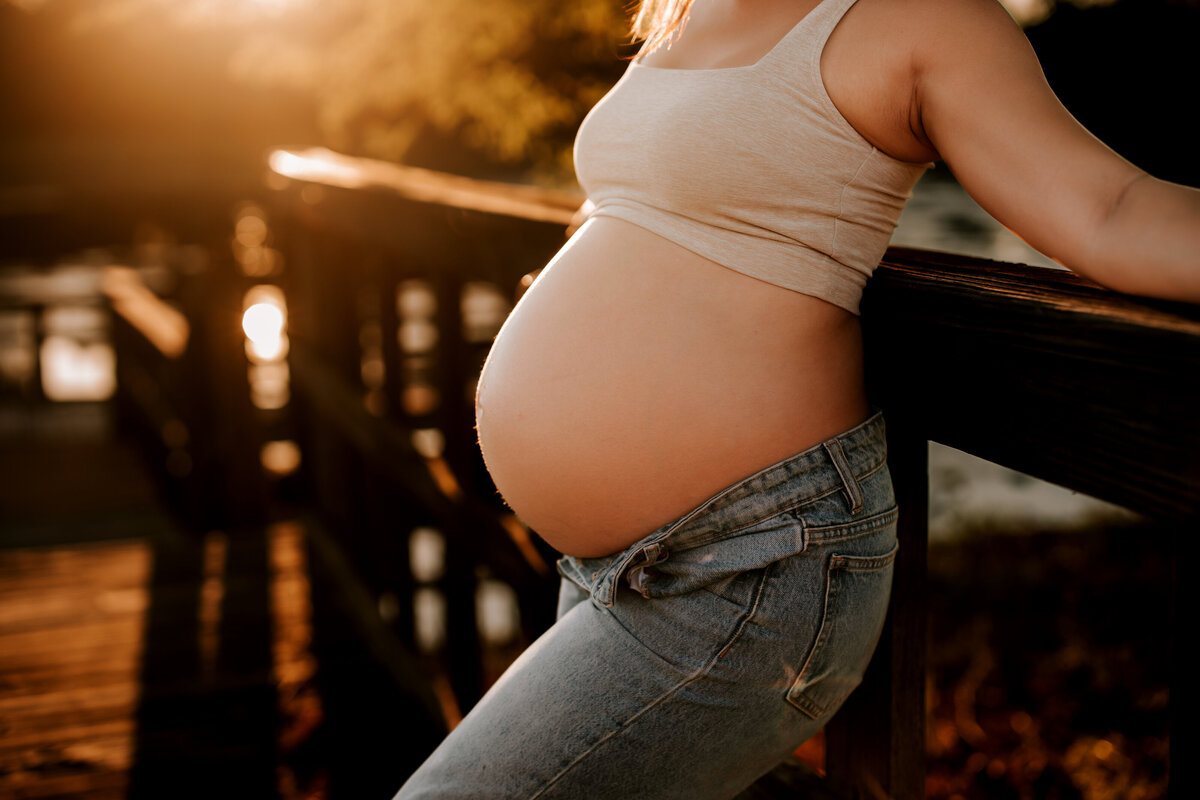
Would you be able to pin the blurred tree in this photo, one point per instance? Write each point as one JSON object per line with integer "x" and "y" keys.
{"x": 510, "y": 79}
{"x": 499, "y": 85}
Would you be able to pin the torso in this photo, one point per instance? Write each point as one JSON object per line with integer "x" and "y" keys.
{"x": 636, "y": 379}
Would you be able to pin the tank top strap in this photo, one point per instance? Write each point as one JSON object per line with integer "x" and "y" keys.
{"x": 805, "y": 42}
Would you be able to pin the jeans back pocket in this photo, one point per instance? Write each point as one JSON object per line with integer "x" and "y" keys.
{"x": 856, "y": 599}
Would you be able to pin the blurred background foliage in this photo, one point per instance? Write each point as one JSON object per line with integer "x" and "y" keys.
{"x": 491, "y": 88}
{"x": 506, "y": 79}
{"x": 483, "y": 87}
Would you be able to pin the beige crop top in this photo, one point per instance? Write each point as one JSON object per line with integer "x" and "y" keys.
{"x": 751, "y": 167}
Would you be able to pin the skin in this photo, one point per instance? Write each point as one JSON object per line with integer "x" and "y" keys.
{"x": 636, "y": 379}
{"x": 956, "y": 80}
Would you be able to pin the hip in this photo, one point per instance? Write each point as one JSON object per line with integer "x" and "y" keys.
{"x": 837, "y": 493}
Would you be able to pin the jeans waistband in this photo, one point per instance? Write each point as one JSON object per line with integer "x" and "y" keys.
{"x": 835, "y": 465}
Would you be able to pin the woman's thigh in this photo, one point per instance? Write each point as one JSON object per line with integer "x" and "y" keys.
{"x": 569, "y": 596}
{"x": 686, "y": 696}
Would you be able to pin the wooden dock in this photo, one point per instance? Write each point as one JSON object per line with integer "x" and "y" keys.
{"x": 262, "y": 653}
{"x": 138, "y": 659}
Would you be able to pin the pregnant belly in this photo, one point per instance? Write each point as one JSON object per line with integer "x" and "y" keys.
{"x": 636, "y": 379}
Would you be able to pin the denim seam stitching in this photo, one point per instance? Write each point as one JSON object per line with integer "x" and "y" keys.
{"x": 720, "y": 502}
{"x": 709, "y": 506}
{"x": 802, "y": 701}
{"x": 788, "y": 509}
{"x": 855, "y": 563}
{"x": 734, "y": 636}
{"x": 837, "y": 562}
{"x": 723, "y": 534}
{"x": 720, "y": 536}
{"x": 872, "y": 470}
{"x": 835, "y": 533}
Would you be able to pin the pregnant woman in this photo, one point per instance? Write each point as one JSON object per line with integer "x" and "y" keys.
{"x": 677, "y": 403}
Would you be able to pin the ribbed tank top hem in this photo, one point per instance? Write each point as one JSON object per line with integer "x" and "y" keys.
{"x": 752, "y": 167}
{"x": 803, "y": 270}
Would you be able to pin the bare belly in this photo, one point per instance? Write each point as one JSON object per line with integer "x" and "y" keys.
{"x": 636, "y": 379}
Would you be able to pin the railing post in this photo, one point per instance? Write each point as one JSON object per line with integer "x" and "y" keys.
{"x": 37, "y": 390}
{"x": 224, "y": 431}
{"x": 1182, "y": 705}
{"x": 875, "y": 746}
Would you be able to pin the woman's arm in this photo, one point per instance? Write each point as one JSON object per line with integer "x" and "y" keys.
{"x": 983, "y": 103}
{"x": 1149, "y": 242}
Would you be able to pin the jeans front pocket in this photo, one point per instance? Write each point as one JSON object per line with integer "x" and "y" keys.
{"x": 857, "y": 588}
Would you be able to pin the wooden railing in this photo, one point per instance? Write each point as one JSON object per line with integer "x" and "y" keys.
{"x": 405, "y": 275}
{"x": 1031, "y": 368}
{"x": 1037, "y": 370}
{"x": 181, "y": 387}
{"x": 387, "y": 268}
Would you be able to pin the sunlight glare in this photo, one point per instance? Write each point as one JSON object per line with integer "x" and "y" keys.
{"x": 316, "y": 164}
{"x": 73, "y": 370}
{"x": 281, "y": 457}
{"x": 273, "y": 6}
{"x": 263, "y": 322}
{"x": 225, "y": 11}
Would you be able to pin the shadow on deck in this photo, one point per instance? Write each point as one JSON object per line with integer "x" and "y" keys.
{"x": 139, "y": 659}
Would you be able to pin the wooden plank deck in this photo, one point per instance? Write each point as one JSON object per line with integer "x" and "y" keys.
{"x": 70, "y": 640}
{"x": 138, "y": 659}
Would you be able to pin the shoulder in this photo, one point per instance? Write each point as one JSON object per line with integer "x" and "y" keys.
{"x": 935, "y": 28}
{"x": 885, "y": 56}
{"x": 931, "y": 32}
{"x": 957, "y": 41}
{"x": 884, "y": 53}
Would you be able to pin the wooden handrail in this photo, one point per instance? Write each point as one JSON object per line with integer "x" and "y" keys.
{"x": 319, "y": 166}
{"x": 162, "y": 325}
{"x": 1042, "y": 371}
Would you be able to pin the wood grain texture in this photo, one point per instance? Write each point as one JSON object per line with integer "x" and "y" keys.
{"x": 71, "y": 635}
{"x": 1043, "y": 372}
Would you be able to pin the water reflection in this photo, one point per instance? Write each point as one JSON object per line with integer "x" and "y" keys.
{"x": 942, "y": 216}
{"x": 75, "y": 370}
{"x": 18, "y": 350}
{"x": 264, "y": 322}
{"x": 416, "y": 307}
{"x": 251, "y": 243}
{"x": 54, "y": 334}
{"x": 280, "y": 457}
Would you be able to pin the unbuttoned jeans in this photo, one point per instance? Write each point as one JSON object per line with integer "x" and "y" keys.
{"x": 699, "y": 658}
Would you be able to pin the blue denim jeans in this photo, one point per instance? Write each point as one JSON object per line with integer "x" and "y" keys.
{"x": 696, "y": 660}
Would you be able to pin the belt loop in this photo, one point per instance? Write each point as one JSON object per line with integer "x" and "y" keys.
{"x": 849, "y": 483}
{"x": 639, "y": 576}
